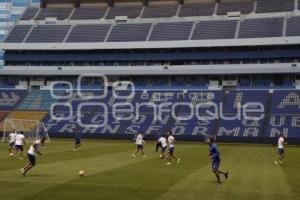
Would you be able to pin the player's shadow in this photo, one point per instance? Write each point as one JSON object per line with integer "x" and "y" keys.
{"x": 216, "y": 183}
{"x": 37, "y": 175}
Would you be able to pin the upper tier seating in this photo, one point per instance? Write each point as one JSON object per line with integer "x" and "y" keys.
{"x": 160, "y": 11}
{"x": 218, "y": 29}
{"x": 89, "y": 33}
{"x": 215, "y": 30}
{"x": 255, "y": 28}
{"x": 48, "y": 33}
{"x": 293, "y": 26}
{"x": 129, "y": 32}
{"x": 18, "y": 33}
{"x": 197, "y": 9}
{"x": 59, "y": 13}
{"x": 171, "y": 31}
{"x": 245, "y": 7}
{"x": 129, "y": 11}
{"x": 30, "y": 13}
{"x": 267, "y": 6}
{"x": 88, "y": 13}
{"x": 188, "y": 9}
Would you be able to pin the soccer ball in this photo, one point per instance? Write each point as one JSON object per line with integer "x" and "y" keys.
{"x": 11, "y": 155}
{"x": 81, "y": 173}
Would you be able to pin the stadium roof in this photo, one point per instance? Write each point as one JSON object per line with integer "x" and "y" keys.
{"x": 77, "y": 3}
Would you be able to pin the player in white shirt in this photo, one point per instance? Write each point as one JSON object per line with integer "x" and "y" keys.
{"x": 20, "y": 142}
{"x": 139, "y": 145}
{"x": 280, "y": 149}
{"x": 32, "y": 152}
{"x": 171, "y": 144}
{"x": 162, "y": 142}
{"x": 11, "y": 141}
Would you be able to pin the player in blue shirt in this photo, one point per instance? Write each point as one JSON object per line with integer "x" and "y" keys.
{"x": 77, "y": 142}
{"x": 214, "y": 154}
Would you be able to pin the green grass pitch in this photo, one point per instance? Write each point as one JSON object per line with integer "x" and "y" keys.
{"x": 112, "y": 173}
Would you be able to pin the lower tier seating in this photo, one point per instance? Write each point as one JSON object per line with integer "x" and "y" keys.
{"x": 187, "y": 112}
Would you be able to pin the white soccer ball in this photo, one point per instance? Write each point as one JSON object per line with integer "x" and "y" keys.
{"x": 11, "y": 154}
{"x": 81, "y": 173}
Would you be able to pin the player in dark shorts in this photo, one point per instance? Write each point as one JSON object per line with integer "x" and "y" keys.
{"x": 32, "y": 152}
{"x": 171, "y": 144}
{"x": 139, "y": 141}
{"x": 162, "y": 142}
{"x": 19, "y": 144}
{"x": 158, "y": 144}
{"x": 77, "y": 142}
{"x": 11, "y": 142}
{"x": 214, "y": 154}
{"x": 280, "y": 150}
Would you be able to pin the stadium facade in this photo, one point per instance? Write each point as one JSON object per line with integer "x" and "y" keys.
{"x": 227, "y": 68}
{"x": 10, "y": 12}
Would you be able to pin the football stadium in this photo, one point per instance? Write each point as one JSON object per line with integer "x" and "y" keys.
{"x": 150, "y": 99}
